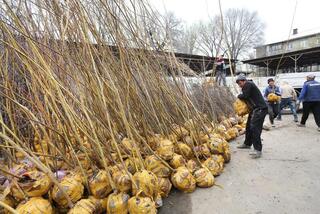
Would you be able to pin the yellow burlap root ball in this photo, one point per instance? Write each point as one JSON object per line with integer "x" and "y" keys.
{"x": 177, "y": 161}
{"x": 183, "y": 180}
{"x": 8, "y": 200}
{"x": 272, "y": 97}
{"x": 72, "y": 187}
{"x": 122, "y": 181}
{"x": 87, "y": 206}
{"x": 99, "y": 184}
{"x": 117, "y": 203}
{"x": 33, "y": 183}
{"x": 204, "y": 178}
{"x": 156, "y": 166}
{"x": 146, "y": 182}
{"x": 141, "y": 205}
{"x": 36, "y": 205}
{"x": 240, "y": 107}
{"x": 164, "y": 187}
{"x": 165, "y": 149}
{"x": 184, "y": 150}
{"x": 192, "y": 165}
{"x": 213, "y": 166}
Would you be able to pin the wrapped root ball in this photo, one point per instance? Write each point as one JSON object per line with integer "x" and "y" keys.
{"x": 146, "y": 182}
{"x": 272, "y": 97}
{"x": 164, "y": 187}
{"x": 204, "y": 151}
{"x": 177, "y": 161}
{"x": 226, "y": 123}
{"x": 213, "y": 166}
{"x": 226, "y": 155}
{"x": 141, "y": 205}
{"x": 122, "y": 181}
{"x": 184, "y": 150}
{"x": 216, "y": 145}
{"x": 99, "y": 184}
{"x": 87, "y": 206}
{"x": 132, "y": 165}
{"x": 219, "y": 159}
{"x": 183, "y": 180}
{"x": 8, "y": 200}
{"x": 72, "y": 187}
{"x": 204, "y": 178}
{"x": 156, "y": 166}
{"x": 165, "y": 149}
{"x": 33, "y": 183}
{"x": 240, "y": 107}
{"x": 192, "y": 165}
{"x": 180, "y": 132}
{"x": 36, "y": 205}
{"x": 118, "y": 203}
{"x": 233, "y": 133}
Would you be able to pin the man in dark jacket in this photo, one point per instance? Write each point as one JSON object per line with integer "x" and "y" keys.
{"x": 258, "y": 111}
{"x": 273, "y": 107}
{"x": 310, "y": 97}
{"x": 221, "y": 71}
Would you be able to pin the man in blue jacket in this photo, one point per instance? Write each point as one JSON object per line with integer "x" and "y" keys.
{"x": 310, "y": 97}
{"x": 273, "y": 107}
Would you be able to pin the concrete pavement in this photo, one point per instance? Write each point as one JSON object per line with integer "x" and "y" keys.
{"x": 286, "y": 180}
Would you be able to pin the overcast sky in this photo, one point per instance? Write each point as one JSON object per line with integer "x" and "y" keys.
{"x": 276, "y": 14}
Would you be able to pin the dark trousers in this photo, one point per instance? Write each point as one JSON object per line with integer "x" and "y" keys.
{"x": 315, "y": 108}
{"x": 273, "y": 111}
{"x": 254, "y": 128}
{"x": 288, "y": 102}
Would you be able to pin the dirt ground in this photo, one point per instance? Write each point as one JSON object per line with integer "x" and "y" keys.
{"x": 286, "y": 180}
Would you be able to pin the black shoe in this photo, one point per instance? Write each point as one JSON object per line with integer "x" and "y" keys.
{"x": 243, "y": 146}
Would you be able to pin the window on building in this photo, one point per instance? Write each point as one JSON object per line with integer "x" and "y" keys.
{"x": 290, "y": 46}
{"x": 303, "y": 43}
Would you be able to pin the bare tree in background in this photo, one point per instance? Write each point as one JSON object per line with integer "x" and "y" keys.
{"x": 243, "y": 30}
{"x": 188, "y": 40}
{"x": 165, "y": 31}
{"x": 209, "y": 40}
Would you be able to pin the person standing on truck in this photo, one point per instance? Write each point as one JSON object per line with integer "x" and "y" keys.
{"x": 258, "y": 111}
{"x": 288, "y": 98}
{"x": 273, "y": 105}
{"x": 310, "y": 98}
{"x": 221, "y": 71}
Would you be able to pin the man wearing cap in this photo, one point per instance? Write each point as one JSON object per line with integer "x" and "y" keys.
{"x": 310, "y": 97}
{"x": 221, "y": 71}
{"x": 288, "y": 98}
{"x": 258, "y": 111}
{"x": 273, "y": 106}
